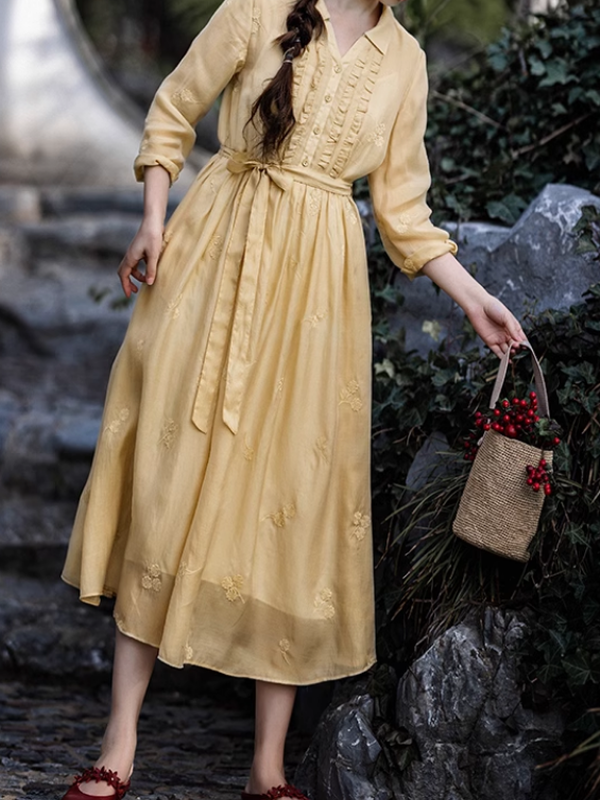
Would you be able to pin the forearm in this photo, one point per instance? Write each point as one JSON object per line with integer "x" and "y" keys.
{"x": 156, "y": 195}
{"x": 449, "y": 274}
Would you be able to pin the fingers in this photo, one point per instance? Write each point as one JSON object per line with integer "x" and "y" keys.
{"x": 130, "y": 268}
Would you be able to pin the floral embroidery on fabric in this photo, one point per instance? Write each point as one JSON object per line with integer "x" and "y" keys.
{"x": 248, "y": 451}
{"x": 256, "y": 20}
{"x": 139, "y": 346}
{"x": 377, "y": 136}
{"x": 183, "y": 97}
{"x": 284, "y": 649}
{"x": 404, "y": 222}
{"x": 117, "y": 423}
{"x": 281, "y": 517}
{"x": 314, "y": 319}
{"x": 173, "y": 307}
{"x": 189, "y": 653}
{"x": 409, "y": 264}
{"x": 119, "y": 619}
{"x": 182, "y": 571}
{"x": 168, "y": 433}
{"x": 215, "y": 247}
{"x": 360, "y": 525}
{"x": 351, "y": 395}
{"x": 279, "y": 386}
{"x": 232, "y": 585}
{"x": 151, "y": 578}
{"x": 314, "y": 201}
{"x": 322, "y": 445}
{"x": 324, "y": 604}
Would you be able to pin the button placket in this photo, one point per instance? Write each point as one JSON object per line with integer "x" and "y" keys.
{"x": 319, "y": 122}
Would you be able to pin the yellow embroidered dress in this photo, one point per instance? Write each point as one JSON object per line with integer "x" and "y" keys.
{"x": 228, "y": 505}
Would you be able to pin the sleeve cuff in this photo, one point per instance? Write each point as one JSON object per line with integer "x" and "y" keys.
{"x": 413, "y": 264}
{"x": 148, "y": 160}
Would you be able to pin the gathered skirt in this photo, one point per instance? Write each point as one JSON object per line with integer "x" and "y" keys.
{"x": 228, "y": 504}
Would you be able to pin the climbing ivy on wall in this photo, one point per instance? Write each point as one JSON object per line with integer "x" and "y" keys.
{"x": 526, "y": 113}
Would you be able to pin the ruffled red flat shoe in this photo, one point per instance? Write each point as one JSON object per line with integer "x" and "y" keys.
{"x": 276, "y": 792}
{"x": 98, "y": 774}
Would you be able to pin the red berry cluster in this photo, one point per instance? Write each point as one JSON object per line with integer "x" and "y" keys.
{"x": 538, "y": 477}
{"x": 518, "y": 419}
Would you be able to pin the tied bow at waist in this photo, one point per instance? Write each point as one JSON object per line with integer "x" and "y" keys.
{"x": 240, "y": 300}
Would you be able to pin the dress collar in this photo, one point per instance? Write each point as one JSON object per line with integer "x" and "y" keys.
{"x": 379, "y": 35}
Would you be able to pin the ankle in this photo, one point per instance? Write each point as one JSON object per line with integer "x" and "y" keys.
{"x": 265, "y": 774}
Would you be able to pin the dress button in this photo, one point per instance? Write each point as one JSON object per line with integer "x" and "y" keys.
{"x": 328, "y": 98}
{"x": 316, "y": 130}
{"x": 337, "y": 68}
{"x": 305, "y": 162}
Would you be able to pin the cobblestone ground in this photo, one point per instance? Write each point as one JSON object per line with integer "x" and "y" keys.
{"x": 189, "y": 748}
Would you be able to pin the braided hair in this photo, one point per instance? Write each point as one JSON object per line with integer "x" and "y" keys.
{"x": 274, "y": 107}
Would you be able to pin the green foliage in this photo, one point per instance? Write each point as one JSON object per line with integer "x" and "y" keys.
{"x": 427, "y": 577}
{"x": 526, "y": 114}
{"x": 454, "y": 20}
{"x": 588, "y": 230}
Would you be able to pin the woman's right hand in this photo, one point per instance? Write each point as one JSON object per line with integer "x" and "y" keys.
{"x": 146, "y": 246}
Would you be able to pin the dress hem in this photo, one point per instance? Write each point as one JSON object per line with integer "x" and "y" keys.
{"x": 120, "y": 627}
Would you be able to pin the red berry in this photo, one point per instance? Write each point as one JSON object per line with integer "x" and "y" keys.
{"x": 556, "y": 440}
{"x": 532, "y": 395}
{"x": 505, "y": 404}
{"x": 536, "y": 418}
{"x": 523, "y": 404}
{"x": 543, "y": 462}
{"x": 547, "y": 489}
{"x": 536, "y": 487}
{"x": 516, "y": 401}
{"x": 497, "y": 427}
{"x": 529, "y": 481}
{"x": 530, "y": 412}
{"x": 477, "y": 414}
{"x": 497, "y": 412}
{"x": 511, "y": 431}
{"x": 487, "y": 426}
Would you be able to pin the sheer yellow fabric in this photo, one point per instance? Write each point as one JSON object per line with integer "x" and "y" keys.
{"x": 228, "y": 505}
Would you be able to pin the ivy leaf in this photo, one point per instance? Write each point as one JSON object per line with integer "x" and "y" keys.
{"x": 508, "y": 210}
{"x": 579, "y": 668}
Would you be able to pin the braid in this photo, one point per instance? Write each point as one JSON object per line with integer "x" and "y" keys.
{"x": 275, "y": 104}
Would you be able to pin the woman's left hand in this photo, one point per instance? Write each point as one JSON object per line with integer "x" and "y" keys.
{"x": 496, "y": 325}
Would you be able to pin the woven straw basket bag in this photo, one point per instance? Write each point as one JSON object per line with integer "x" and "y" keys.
{"x": 498, "y": 511}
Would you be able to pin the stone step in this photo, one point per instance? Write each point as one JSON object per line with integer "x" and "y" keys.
{"x": 48, "y": 455}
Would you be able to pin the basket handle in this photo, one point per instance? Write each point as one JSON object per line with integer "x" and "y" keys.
{"x": 540, "y": 383}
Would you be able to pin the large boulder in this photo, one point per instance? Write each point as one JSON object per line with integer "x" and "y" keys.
{"x": 461, "y": 730}
{"x": 461, "y": 702}
{"x": 531, "y": 266}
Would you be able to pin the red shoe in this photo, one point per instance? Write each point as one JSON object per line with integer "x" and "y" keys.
{"x": 275, "y": 792}
{"x": 95, "y": 774}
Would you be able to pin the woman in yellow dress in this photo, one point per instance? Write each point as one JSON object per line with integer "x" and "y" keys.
{"x": 228, "y": 505}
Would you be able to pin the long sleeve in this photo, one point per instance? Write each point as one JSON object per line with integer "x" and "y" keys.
{"x": 214, "y": 57}
{"x": 399, "y": 186}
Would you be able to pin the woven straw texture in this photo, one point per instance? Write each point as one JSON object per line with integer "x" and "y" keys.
{"x": 498, "y": 511}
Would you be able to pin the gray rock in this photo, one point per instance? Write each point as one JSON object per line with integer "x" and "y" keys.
{"x": 340, "y": 763}
{"x": 532, "y": 265}
{"x": 20, "y": 204}
{"x": 428, "y": 462}
{"x": 63, "y": 201}
{"x": 102, "y": 234}
{"x": 45, "y": 631}
{"x": 49, "y": 454}
{"x": 461, "y": 702}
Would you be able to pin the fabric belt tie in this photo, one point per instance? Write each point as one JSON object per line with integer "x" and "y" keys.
{"x": 253, "y": 198}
